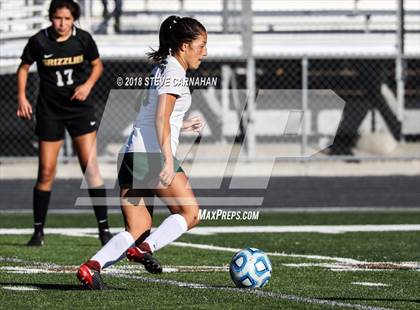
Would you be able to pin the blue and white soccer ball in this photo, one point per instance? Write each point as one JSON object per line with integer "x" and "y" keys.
{"x": 250, "y": 268}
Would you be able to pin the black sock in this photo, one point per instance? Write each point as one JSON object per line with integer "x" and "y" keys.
{"x": 101, "y": 210}
{"x": 142, "y": 237}
{"x": 41, "y": 200}
{"x": 147, "y": 232}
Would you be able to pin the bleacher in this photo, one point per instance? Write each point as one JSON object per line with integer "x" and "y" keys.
{"x": 20, "y": 18}
{"x": 283, "y": 28}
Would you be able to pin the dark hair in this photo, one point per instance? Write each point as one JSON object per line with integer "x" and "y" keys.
{"x": 72, "y": 6}
{"x": 173, "y": 32}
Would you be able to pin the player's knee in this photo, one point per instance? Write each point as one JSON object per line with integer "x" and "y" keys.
{"x": 46, "y": 175}
{"x": 196, "y": 220}
{"x": 92, "y": 176}
{"x": 193, "y": 216}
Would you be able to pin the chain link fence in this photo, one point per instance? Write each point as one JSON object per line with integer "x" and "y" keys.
{"x": 366, "y": 86}
{"x": 338, "y": 105}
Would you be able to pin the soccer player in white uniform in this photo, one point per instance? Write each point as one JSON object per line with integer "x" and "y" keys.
{"x": 147, "y": 161}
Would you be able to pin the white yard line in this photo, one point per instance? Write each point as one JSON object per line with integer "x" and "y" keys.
{"x": 125, "y": 269}
{"x": 371, "y": 284}
{"x": 92, "y": 232}
{"x": 325, "y": 229}
{"x": 127, "y": 273}
{"x": 360, "y": 266}
{"x": 234, "y": 250}
{"x": 31, "y": 263}
{"x": 20, "y": 288}
{"x": 210, "y": 230}
{"x": 341, "y": 263}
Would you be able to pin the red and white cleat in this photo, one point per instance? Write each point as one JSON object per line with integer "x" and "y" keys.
{"x": 89, "y": 274}
{"x": 143, "y": 255}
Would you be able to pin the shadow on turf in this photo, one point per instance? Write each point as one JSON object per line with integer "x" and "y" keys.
{"x": 23, "y": 245}
{"x": 417, "y": 301}
{"x": 13, "y": 244}
{"x": 56, "y": 287}
{"x": 87, "y": 243}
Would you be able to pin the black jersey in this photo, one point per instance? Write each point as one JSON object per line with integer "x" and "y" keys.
{"x": 62, "y": 66}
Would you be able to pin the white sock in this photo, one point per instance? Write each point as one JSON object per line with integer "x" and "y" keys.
{"x": 114, "y": 250}
{"x": 170, "y": 230}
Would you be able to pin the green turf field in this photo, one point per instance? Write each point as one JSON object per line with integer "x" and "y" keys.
{"x": 310, "y": 270}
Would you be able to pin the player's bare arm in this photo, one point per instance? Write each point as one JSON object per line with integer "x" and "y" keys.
{"x": 82, "y": 92}
{"x": 163, "y": 113}
{"x": 24, "y": 108}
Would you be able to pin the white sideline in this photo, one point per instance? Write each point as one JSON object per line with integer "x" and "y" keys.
{"x": 234, "y": 250}
{"x": 127, "y": 274}
{"x": 114, "y": 270}
{"x": 20, "y": 288}
{"x": 371, "y": 284}
{"x": 325, "y": 229}
{"x": 92, "y": 232}
{"x": 360, "y": 266}
{"x": 210, "y": 230}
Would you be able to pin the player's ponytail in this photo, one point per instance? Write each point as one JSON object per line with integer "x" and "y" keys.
{"x": 173, "y": 32}
{"x": 71, "y": 5}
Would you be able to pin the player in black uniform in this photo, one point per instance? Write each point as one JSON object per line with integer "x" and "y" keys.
{"x": 63, "y": 54}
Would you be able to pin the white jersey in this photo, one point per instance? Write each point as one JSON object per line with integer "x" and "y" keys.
{"x": 168, "y": 79}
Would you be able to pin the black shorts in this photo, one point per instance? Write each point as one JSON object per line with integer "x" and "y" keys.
{"x": 141, "y": 170}
{"x": 54, "y": 129}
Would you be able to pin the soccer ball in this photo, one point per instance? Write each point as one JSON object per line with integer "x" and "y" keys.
{"x": 250, "y": 268}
